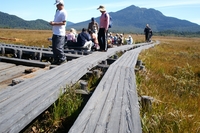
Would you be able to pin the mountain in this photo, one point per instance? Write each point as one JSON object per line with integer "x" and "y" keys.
{"x": 12, "y": 21}
{"x": 131, "y": 19}
{"x": 134, "y": 19}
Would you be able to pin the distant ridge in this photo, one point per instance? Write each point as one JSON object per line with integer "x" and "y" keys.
{"x": 134, "y": 19}
{"x": 130, "y": 19}
{"x": 14, "y": 22}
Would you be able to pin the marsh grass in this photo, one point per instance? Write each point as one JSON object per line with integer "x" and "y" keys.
{"x": 172, "y": 79}
{"x": 26, "y": 37}
{"x": 38, "y": 37}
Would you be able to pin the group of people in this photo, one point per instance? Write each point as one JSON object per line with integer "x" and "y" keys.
{"x": 119, "y": 39}
{"x": 96, "y": 35}
{"x": 93, "y": 37}
{"x": 86, "y": 39}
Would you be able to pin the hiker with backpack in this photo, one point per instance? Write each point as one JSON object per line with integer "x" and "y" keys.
{"x": 103, "y": 28}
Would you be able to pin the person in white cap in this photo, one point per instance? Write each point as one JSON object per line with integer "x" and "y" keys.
{"x": 58, "y": 28}
{"x": 103, "y": 28}
{"x": 129, "y": 40}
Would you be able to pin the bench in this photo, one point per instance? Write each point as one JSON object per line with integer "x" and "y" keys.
{"x": 113, "y": 107}
{"x": 22, "y": 103}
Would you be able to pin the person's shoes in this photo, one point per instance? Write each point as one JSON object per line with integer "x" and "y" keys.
{"x": 55, "y": 62}
{"x": 61, "y": 62}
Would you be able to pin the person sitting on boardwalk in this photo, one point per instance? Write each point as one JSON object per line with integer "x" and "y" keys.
{"x": 120, "y": 40}
{"x": 115, "y": 38}
{"x": 94, "y": 40}
{"x": 109, "y": 40}
{"x": 71, "y": 37}
{"x": 129, "y": 40}
{"x": 84, "y": 40}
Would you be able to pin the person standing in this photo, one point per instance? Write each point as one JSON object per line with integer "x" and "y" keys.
{"x": 147, "y": 32}
{"x": 93, "y": 26}
{"x": 103, "y": 28}
{"x": 58, "y": 29}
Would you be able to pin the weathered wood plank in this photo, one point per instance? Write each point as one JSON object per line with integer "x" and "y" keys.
{"x": 5, "y": 65}
{"x": 12, "y": 72}
{"x": 24, "y": 62}
{"x": 28, "y": 76}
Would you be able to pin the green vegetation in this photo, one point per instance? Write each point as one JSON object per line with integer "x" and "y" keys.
{"x": 172, "y": 78}
{"x": 178, "y": 34}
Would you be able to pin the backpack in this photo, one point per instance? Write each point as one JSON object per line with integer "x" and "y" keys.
{"x": 110, "y": 24}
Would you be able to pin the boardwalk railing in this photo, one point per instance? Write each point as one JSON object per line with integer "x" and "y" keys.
{"x": 113, "y": 107}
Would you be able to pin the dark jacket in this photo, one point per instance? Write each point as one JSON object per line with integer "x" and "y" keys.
{"x": 82, "y": 38}
{"x": 147, "y": 30}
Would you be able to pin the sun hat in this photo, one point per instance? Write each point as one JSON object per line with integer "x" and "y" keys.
{"x": 59, "y": 2}
{"x": 101, "y": 8}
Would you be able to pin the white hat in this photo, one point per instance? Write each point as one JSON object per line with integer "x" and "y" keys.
{"x": 59, "y": 2}
{"x": 101, "y": 8}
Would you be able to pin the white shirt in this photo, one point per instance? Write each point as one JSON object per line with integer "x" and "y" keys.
{"x": 60, "y": 16}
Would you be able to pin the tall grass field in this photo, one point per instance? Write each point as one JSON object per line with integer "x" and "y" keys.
{"x": 171, "y": 77}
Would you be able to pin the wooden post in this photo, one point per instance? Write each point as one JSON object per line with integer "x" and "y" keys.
{"x": 104, "y": 62}
{"x": 115, "y": 57}
{"x": 97, "y": 73}
{"x": 2, "y": 51}
{"x": 139, "y": 63}
{"x": 84, "y": 85}
{"x": 142, "y": 67}
{"x": 146, "y": 103}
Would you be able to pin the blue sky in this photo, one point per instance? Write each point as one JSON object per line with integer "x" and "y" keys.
{"x": 81, "y": 10}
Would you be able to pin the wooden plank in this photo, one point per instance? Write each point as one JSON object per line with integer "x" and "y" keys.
{"x": 5, "y": 65}
{"x": 24, "y": 62}
{"x": 28, "y": 76}
{"x": 12, "y": 72}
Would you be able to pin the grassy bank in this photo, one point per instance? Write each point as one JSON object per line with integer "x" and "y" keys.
{"x": 172, "y": 78}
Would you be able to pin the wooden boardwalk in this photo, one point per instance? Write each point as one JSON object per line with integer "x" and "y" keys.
{"x": 113, "y": 107}
{"x": 22, "y": 103}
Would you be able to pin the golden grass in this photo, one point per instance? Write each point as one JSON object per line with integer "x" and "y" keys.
{"x": 38, "y": 37}
{"x": 173, "y": 80}
{"x": 26, "y": 37}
